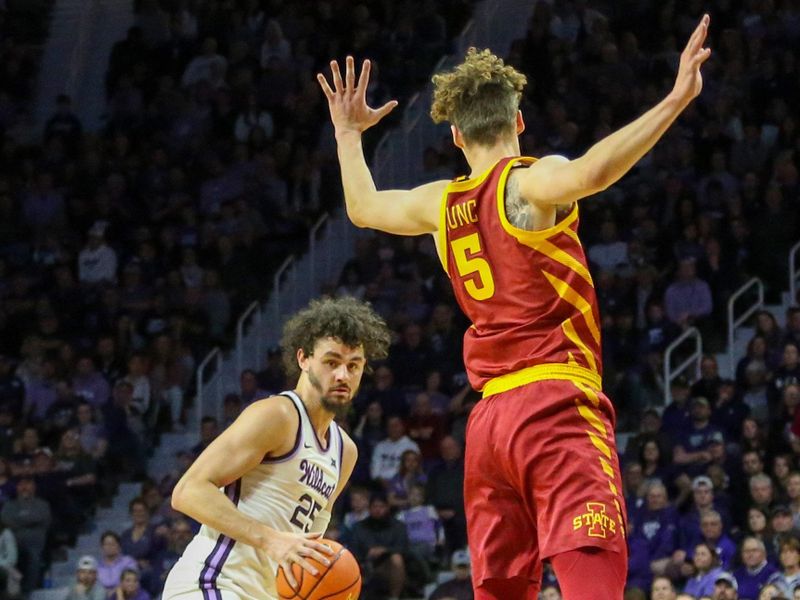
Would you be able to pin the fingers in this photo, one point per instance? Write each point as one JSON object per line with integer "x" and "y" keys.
{"x": 300, "y": 560}
{"x": 287, "y": 572}
{"x": 386, "y": 108}
{"x": 326, "y": 88}
{"x": 318, "y": 556}
{"x": 324, "y": 548}
{"x": 699, "y": 35}
{"x": 350, "y": 74}
{"x": 363, "y": 79}
{"x": 337, "y": 77}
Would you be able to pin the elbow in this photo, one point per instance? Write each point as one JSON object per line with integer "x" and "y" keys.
{"x": 177, "y": 501}
{"x": 356, "y": 217}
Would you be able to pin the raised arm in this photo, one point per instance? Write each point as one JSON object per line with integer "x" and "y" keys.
{"x": 556, "y": 180}
{"x": 258, "y": 431}
{"x": 402, "y": 212}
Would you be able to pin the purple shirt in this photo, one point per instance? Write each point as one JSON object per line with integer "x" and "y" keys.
{"x": 93, "y": 388}
{"x": 109, "y": 574}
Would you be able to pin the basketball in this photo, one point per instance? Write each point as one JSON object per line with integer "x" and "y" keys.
{"x": 340, "y": 581}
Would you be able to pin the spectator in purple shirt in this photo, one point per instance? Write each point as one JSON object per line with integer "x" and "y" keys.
{"x": 89, "y": 384}
{"x": 713, "y": 534}
{"x": 706, "y": 569}
{"x": 112, "y": 561}
{"x": 688, "y": 298}
{"x": 755, "y": 569}
{"x": 691, "y": 453}
{"x": 703, "y": 502}
{"x": 129, "y": 588}
{"x": 653, "y": 537}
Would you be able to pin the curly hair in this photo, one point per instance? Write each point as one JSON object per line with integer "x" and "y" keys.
{"x": 480, "y": 97}
{"x": 348, "y": 320}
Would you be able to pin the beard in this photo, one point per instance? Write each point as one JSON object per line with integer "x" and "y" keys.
{"x": 333, "y": 405}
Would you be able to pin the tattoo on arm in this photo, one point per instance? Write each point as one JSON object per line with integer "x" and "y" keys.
{"x": 518, "y": 210}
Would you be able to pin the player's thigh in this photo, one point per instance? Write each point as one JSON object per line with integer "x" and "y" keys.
{"x": 500, "y": 527}
{"x": 566, "y": 466}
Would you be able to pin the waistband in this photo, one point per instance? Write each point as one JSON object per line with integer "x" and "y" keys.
{"x": 509, "y": 381}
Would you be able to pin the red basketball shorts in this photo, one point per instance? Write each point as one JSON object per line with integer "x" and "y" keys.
{"x": 541, "y": 478}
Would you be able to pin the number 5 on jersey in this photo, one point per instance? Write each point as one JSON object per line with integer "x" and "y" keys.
{"x": 465, "y": 249}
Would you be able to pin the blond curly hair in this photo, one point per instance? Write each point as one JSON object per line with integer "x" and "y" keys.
{"x": 480, "y": 97}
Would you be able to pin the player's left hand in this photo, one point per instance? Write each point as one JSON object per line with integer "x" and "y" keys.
{"x": 347, "y": 100}
{"x": 689, "y": 80}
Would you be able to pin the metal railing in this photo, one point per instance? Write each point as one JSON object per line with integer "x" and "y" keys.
{"x": 734, "y": 322}
{"x": 693, "y": 359}
{"x": 214, "y": 379}
{"x": 794, "y": 273}
{"x": 252, "y": 310}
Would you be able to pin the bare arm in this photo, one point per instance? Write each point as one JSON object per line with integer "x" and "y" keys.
{"x": 261, "y": 429}
{"x": 556, "y": 180}
{"x": 402, "y": 212}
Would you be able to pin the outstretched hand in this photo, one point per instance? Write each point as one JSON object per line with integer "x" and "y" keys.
{"x": 347, "y": 100}
{"x": 689, "y": 81}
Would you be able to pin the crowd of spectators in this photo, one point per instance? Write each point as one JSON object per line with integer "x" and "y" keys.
{"x": 124, "y": 254}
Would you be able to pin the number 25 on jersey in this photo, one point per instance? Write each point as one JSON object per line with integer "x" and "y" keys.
{"x": 465, "y": 250}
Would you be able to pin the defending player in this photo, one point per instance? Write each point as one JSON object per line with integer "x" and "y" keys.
{"x": 542, "y": 475}
{"x": 282, "y": 463}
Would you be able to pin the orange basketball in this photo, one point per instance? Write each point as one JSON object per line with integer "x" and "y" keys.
{"x": 340, "y": 581}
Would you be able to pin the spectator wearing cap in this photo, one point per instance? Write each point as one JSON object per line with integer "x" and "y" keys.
{"x": 706, "y": 568}
{"x": 460, "y": 587}
{"x": 687, "y": 300}
{"x": 653, "y": 537}
{"x": 86, "y": 586}
{"x": 691, "y": 453}
{"x": 97, "y": 261}
{"x": 789, "y": 576}
{"x": 725, "y": 587}
{"x": 755, "y": 569}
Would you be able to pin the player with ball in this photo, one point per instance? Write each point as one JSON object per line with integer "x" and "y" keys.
{"x": 264, "y": 489}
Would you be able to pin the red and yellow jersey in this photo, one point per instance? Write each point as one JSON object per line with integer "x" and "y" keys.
{"x": 529, "y": 294}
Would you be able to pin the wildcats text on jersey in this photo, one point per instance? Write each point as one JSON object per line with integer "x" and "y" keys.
{"x": 314, "y": 478}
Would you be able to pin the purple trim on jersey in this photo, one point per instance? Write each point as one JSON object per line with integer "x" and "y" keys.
{"x": 222, "y": 549}
{"x": 293, "y": 451}
{"x": 316, "y": 439}
{"x": 341, "y": 449}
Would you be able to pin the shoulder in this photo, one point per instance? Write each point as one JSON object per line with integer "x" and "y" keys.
{"x": 278, "y": 408}
{"x": 349, "y": 447}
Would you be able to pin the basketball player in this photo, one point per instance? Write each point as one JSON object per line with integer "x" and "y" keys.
{"x": 541, "y": 475}
{"x": 281, "y": 464}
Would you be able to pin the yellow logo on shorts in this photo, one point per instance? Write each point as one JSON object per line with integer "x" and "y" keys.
{"x": 596, "y": 520}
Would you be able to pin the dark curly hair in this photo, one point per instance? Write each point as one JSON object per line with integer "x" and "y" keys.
{"x": 348, "y": 320}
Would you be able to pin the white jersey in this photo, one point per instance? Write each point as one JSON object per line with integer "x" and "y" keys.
{"x": 285, "y": 493}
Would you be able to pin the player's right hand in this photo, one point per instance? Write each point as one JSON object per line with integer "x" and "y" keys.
{"x": 288, "y": 548}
